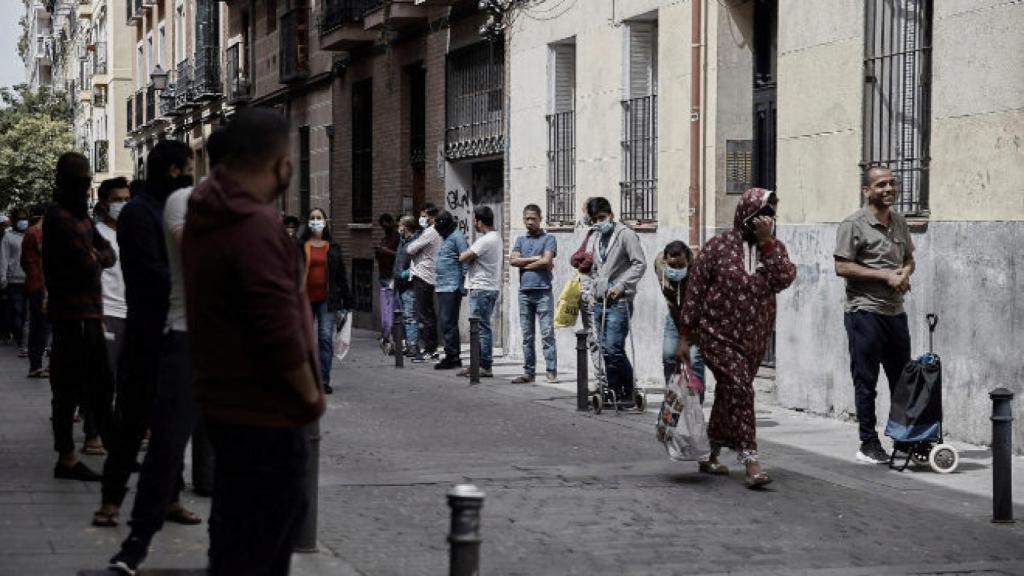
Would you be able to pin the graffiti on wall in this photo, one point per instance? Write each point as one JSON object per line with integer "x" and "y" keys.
{"x": 457, "y": 202}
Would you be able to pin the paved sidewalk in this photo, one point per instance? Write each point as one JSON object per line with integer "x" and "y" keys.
{"x": 567, "y": 492}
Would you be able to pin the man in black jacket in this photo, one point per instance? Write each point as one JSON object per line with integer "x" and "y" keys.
{"x": 147, "y": 279}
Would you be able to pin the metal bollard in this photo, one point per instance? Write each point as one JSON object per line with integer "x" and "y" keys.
{"x": 582, "y": 378}
{"x": 306, "y": 542}
{"x": 1002, "y": 456}
{"x": 398, "y": 338}
{"x": 202, "y": 460}
{"x": 474, "y": 350}
{"x": 465, "y": 501}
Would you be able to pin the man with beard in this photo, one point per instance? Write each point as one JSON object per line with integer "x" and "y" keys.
{"x": 730, "y": 308}
{"x": 147, "y": 285}
{"x": 875, "y": 254}
{"x": 254, "y": 353}
{"x": 75, "y": 256}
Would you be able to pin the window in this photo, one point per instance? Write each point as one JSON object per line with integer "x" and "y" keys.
{"x": 304, "y": 202}
{"x": 161, "y": 40}
{"x": 149, "y": 55}
{"x": 417, "y": 115}
{"x": 362, "y": 151}
{"x": 562, "y": 133}
{"x": 271, "y": 16}
{"x": 475, "y": 101}
{"x": 179, "y": 33}
{"x": 897, "y": 94}
{"x": 362, "y": 284}
{"x": 140, "y": 66}
{"x": 639, "y": 185}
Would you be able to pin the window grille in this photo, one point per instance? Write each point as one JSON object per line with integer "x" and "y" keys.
{"x": 362, "y": 284}
{"x": 639, "y": 186}
{"x": 362, "y": 151}
{"x": 474, "y": 101}
{"x": 561, "y": 190}
{"x": 897, "y": 94}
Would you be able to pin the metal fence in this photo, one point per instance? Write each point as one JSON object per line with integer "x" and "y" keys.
{"x": 562, "y": 167}
{"x": 183, "y": 85}
{"x": 475, "y": 101}
{"x": 897, "y": 95}
{"x": 337, "y": 13}
{"x": 639, "y": 186}
{"x": 206, "y": 73}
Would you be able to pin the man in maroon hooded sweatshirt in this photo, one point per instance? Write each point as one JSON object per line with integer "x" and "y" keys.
{"x": 253, "y": 351}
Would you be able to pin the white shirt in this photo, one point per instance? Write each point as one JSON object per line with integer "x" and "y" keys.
{"x": 174, "y": 220}
{"x": 424, "y": 253}
{"x": 112, "y": 279}
{"x": 485, "y": 271}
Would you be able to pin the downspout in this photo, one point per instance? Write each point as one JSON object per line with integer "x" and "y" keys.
{"x": 695, "y": 121}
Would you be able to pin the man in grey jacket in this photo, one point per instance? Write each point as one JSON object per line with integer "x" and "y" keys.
{"x": 12, "y": 277}
{"x": 619, "y": 264}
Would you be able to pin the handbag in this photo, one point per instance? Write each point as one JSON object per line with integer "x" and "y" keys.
{"x": 680, "y": 427}
{"x": 582, "y": 259}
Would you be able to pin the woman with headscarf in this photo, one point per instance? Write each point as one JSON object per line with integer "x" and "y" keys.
{"x": 730, "y": 310}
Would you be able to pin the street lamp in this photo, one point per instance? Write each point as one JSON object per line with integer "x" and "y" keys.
{"x": 159, "y": 78}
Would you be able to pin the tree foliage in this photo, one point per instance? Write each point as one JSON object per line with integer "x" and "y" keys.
{"x": 35, "y": 129}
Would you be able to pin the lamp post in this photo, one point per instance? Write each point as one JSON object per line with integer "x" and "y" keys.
{"x": 159, "y": 78}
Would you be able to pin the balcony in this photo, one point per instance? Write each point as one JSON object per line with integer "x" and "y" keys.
{"x": 99, "y": 58}
{"x": 99, "y": 97}
{"x": 183, "y": 86}
{"x": 238, "y": 87}
{"x": 100, "y": 161}
{"x": 150, "y": 104}
{"x": 341, "y": 24}
{"x": 140, "y": 102}
{"x": 133, "y": 12}
{"x": 404, "y": 13}
{"x": 294, "y": 46}
{"x": 206, "y": 83}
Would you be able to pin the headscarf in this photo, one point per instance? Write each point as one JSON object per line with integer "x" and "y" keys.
{"x": 752, "y": 200}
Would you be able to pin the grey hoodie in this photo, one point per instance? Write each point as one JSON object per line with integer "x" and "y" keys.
{"x": 623, "y": 263}
{"x": 10, "y": 258}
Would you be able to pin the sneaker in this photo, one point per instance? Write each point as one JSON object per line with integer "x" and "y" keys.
{"x": 420, "y": 358}
{"x": 872, "y": 453}
{"x": 435, "y": 355}
{"x": 22, "y": 353}
{"x": 127, "y": 561}
{"x": 552, "y": 377}
{"x": 524, "y": 379}
{"x": 448, "y": 363}
{"x": 39, "y": 373}
{"x": 77, "y": 472}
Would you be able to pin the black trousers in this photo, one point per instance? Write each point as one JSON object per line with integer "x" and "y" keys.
{"x": 259, "y": 501}
{"x": 79, "y": 375}
{"x": 874, "y": 339}
{"x": 450, "y": 303}
{"x": 136, "y": 381}
{"x": 16, "y": 312}
{"x": 173, "y": 418}
{"x": 426, "y": 317}
{"x": 38, "y": 330}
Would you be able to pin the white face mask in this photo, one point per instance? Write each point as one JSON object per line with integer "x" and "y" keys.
{"x": 114, "y": 210}
{"x": 424, "y": 222}
{"x": 317, "y": 226}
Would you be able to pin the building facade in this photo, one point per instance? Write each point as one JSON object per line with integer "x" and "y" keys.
{"x": 672, "y": 118}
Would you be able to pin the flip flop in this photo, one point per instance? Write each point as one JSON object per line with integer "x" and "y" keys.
{"x": 758, "y": 480}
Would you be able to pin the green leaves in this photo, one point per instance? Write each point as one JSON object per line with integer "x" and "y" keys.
{"x": 29, "y": 148}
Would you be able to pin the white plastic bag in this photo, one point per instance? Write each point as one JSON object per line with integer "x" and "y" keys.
{"x": 680, "y": 425}
{"x": 343, "y": 338}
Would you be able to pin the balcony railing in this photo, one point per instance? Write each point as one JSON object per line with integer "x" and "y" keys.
{"x": 100, "y": 161}
{"x": 99, "y": 58}
{"x": 206, "y": 74}
{"x": 99, "y": 97}
{"x": 150, "y": 103}
{"x": 475, "y": 102}
{"x": 337, "y": 13}
{"x": 165, "y": 102}
{"x": 128, "y": 115}
{"x": 183, "y": 85}
{"x": 140, "y": 102}
{"x": 237, "y": 79}
{"x": 562, "y": 167}
{"x": 294, "y": 46}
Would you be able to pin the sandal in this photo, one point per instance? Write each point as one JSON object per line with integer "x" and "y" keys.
{"x": 758, "y": 480}
{"x": 106, "y": 517}
{"x": 713, "y": 468}
{"x": 181, "y": 515}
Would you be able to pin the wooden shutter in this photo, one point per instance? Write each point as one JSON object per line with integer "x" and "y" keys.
{"x": 642, "y": 59}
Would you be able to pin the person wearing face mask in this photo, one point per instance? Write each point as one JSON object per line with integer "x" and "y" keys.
{"x": 729, "y": 309}
{"x": 583, "y": 261}
{"x": 408, "y": 231}
{"x": 672, "y": 266}
{"x": 147, "y": 283}
{"x": 451, "y": 277}
{"x": 35, "y": 293}
{"x": 619, "y": 264}
{"x": 12, "y": 278}
{"x": 72, "y": 263}
{"x": 423, "y": 272}
{"x": 326, "y": 286}
{"x": 253, "y": 348}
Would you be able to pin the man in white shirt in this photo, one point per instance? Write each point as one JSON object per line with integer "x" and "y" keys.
{"x": 424, "y": 276}
{"x": 483, "y": 281}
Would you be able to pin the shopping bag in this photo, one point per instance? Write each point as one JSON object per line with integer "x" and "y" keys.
{"x": 915, "y": 412}
{"x": 343, "y": 338}
{"x": 568, "y": 307}
{"x": 680, "y": 426}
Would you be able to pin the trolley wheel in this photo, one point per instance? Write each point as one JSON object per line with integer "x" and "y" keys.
{"x": 640, "y": 400}
{"x": 943, "y": 458}
{"x": 597, "y": 402}
{"x": 920, "y": 455}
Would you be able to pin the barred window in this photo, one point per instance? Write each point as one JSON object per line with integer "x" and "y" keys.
{"x": 474, "y": 101}
{"x": 362, "y": 151}
{"x": 304, "y": 172}
{"x": 561, "y": 190}
{"x": 639, "y": 186}
{"x": 897, "y": 94}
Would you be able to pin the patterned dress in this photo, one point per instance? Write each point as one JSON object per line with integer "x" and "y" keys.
{"x": 730, "y": 311}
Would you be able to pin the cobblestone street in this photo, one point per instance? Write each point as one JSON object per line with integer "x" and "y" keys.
{"x": 566, "y": 493}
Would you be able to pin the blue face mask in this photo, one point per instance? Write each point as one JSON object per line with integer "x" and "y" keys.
{"x": 676, "y": 274}
{"x": 21, "y": 225}
{"x": 605, "y": 227}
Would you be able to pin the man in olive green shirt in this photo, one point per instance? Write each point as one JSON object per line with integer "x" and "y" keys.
{"x": 875, "y": 254}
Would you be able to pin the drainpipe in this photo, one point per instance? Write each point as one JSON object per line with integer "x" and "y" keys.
{"x": 695, "y": 121}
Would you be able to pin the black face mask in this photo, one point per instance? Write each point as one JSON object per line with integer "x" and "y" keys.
{"x": 183, "y": 181}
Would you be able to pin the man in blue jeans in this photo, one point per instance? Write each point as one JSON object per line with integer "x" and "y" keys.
{"x": 534, "y": 255}
{"x": 483, "y": 282}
